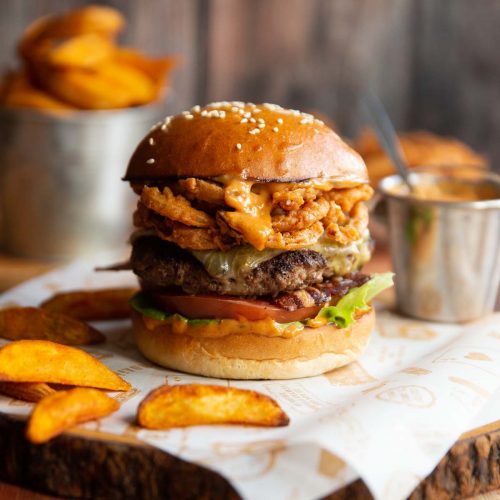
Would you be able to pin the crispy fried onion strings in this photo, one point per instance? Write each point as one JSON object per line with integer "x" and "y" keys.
{"x": 175, "y": 208}
{"x": 298, "y": 216}
{"x": 306, "y": 216}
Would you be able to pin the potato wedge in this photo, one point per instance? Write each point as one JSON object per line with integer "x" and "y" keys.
{"x": 18, "y": 92}
{"x": 21, "y": 323}
{"x": 139, "y": 85}
{"x": 93, "y": 305}
{"x": 198, "y": 404}
{"x": 65, "y": 409}
{"x": 107, "y": 86}
{"x": 45, "y": 361}
{"x": 83, "y": 89}
{"x": 156, "y": 68}
{"x": 45, "y": 33}
{"x": 91, "y": 19}
{"x": 27, "y": 391}
{"x": 82, "y": 51}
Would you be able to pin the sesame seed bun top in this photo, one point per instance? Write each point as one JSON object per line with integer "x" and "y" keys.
{"x": 263, "y": 141}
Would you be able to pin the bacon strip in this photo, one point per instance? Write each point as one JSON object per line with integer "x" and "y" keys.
{"x": 329, "y": 291}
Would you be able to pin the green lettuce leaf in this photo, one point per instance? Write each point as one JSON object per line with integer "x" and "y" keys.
{"x": 341, "y": 314}
{"x": 357, "y": 299}
{"x": 142, "y": 302}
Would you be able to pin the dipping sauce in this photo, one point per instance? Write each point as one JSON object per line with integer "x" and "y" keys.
{"x": 433, "y": 188}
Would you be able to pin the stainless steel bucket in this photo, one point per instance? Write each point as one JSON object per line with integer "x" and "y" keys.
{"x": 60, "y": 190}
{"x": 446, "y": 254}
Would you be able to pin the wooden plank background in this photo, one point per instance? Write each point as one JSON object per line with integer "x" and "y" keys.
{"x": 434, "y": 62}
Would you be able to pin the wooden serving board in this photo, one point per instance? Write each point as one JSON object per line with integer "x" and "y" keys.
{"x": 91, "y": 464}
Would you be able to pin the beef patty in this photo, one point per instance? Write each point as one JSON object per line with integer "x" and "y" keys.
{"x": 162, "y": 264}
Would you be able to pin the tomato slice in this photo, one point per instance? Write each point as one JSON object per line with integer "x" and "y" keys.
{"x": 219, "y": 307}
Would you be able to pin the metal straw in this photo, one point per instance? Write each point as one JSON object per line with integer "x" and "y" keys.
{"x": 377, "y": 115}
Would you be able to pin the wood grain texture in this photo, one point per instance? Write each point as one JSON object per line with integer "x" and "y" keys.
{"x": 11, "y": 492}
{"x": 311, "y": 55}
{"x": 433, "y": 62}
{"x": 79, "y": 464}
{"x": 457, "y": 70}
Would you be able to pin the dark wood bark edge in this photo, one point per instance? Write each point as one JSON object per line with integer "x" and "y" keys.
{"x": 471, "y": 467}
{"x": 78, "y": 467}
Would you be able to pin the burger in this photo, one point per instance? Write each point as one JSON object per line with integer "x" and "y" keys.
{"x": 250, "y": 232}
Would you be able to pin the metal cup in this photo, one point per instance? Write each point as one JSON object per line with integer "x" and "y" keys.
{"x": 446, "y": 254}
{"x": 60, "y": 189}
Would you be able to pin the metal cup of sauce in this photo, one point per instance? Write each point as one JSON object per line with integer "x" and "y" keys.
{"x": 60, "y": 189}
{"x": 445, "y": 242}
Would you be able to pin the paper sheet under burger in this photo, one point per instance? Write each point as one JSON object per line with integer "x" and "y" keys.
{"x": 387, "y": 418}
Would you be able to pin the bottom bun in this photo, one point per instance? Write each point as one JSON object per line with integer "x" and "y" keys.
{"x": 312, "y": 351}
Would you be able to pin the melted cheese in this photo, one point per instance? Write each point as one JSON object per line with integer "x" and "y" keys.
{"x": 242, "y": 259}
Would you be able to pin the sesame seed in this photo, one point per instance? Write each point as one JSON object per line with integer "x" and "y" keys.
{"x": 189, "y": 116}
{"x": 150, "y": 161}
{"x": 304, "y": 121}
{"x": 254, "y": 131}
{"x": 261, "y": 125}
{"x": 260, "y": 120}
{"x": 247, "y": 114}
{"x": 253, "y": 120}
{"x": 204, "y": 113}
{"x": 244, "y": 120}
{"x": 275, "y": 129}
{"x": 219, "y": 104}
{"x": 238, "y": 146}
{"x": 257, "y": 110}
{"x": 184, "y": 113}
{"x": 196, "y": 109}
{"x": 166, "y": 123}
{"x": 239, "y": 104}
{"x": 319, "y": 122}
{"x": 155, "y": 126}
{"x": 280, "y": 120}
{"x": 272, "y": 107}
{"x": 151, "y": 141}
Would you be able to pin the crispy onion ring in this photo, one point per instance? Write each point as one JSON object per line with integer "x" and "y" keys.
{"x": 355, "y": 227}
{"x": 199, "y": 189}
{"x": 347, "y": 198}
{"x": 175, "y": 208}
{"x": 296, "y": 240}
{"x": 293, "y": 199}
{"x": 192, "y": 238}
{"x": 306, "y": 216}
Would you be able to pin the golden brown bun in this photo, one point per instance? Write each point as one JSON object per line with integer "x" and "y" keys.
{"x": 213, "y": 141}
{"x": 246, "y": 356}
{"x": 420, "y": 149}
